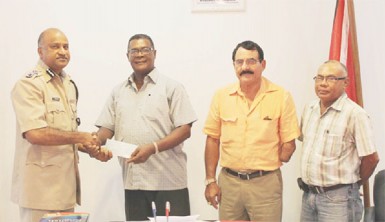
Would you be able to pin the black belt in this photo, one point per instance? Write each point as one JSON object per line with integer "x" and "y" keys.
{"x": 247, "y": 176}
{"x": 318, "y": 190}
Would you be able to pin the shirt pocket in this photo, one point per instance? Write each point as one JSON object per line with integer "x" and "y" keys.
{"x": 74, "y": 115}
{"x": 56, "y": 116}
{"x": 333, "y": 146}
{"x": 46, "y": 156}
{"x": 156, "y": 107}
{"x": 229, "y": 129}
{"x": 73, "y": 106}
{"x": 48, "y": 163}
{"x": 266, "y": 129}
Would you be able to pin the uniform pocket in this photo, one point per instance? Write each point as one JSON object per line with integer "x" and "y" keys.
{"x": 56, "y": 115}
{"x": 47, "y": 156}
{"x": 73, "y": 107}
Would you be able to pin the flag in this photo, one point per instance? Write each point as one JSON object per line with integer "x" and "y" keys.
{"x": 343, "y": 46}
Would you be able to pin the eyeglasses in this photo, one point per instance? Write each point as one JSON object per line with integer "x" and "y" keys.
{"x": 144, "y": 51}
{"x": 249, "y": 62}
{"x": 329, "y": 79}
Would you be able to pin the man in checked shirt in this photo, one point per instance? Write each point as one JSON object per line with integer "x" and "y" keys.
{"x": 338, "y": 150}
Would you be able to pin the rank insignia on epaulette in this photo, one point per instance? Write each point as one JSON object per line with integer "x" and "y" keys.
{"x": 32, "y": 73}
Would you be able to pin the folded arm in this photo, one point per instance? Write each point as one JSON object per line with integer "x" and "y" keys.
{"x": 286, "y": 151}
{"x": 368, "y": 165}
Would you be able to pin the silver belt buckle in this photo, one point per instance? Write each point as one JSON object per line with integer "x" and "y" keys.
{"x": 244, "y": 174}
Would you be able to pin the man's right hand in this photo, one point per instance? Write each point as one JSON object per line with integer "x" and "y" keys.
{"x": 213, "y": 194}
{"x": 91, "y": 143}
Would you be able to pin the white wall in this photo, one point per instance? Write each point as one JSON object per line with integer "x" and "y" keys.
{"x": 194, "y": 48}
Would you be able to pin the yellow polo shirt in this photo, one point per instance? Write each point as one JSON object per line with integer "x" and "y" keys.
{"x": 250, "y": 136}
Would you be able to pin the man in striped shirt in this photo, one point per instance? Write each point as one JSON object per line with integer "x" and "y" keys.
{"x": 338, "y": 150}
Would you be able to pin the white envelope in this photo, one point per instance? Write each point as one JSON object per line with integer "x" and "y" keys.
{"x": 119, "y": 148}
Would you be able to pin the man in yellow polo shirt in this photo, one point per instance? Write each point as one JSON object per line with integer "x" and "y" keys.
{"x": 251, "y": 126}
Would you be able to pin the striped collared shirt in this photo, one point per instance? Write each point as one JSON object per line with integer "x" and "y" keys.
{"x": 334, "y": 142}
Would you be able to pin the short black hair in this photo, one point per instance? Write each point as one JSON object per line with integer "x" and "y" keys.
{"x": 249, "y": 45}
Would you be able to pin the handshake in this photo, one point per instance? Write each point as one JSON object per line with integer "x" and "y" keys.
{"x": 91, "y": 144}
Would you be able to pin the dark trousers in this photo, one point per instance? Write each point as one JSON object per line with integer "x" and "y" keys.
{"x": 138, "y": 203}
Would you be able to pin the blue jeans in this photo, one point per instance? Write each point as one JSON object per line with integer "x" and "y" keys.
{"x": 342, "y": 204}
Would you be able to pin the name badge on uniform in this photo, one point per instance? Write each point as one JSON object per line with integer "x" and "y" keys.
{"x": 56, "y": 99}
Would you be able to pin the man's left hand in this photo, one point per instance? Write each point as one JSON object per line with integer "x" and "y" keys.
{"x": 141, "y": 154}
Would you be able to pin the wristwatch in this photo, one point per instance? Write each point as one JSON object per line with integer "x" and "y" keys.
{"x": 210, "y": 180}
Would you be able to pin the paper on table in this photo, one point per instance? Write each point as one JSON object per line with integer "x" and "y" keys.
{"x": 175, "y": 218}
{"x": 120, "y": 148}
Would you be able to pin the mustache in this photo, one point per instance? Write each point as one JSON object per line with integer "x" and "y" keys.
{"x": 247, "y": 72}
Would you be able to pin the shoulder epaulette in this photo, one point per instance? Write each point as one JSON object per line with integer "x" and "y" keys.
{"x": 33, "y": 73}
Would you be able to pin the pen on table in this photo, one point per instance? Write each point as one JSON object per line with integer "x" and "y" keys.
{"x": 167, "y": 210}
{"x": 153, "y": 210}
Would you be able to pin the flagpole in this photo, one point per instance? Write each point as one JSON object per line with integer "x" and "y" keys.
{"x": 357, "y": 76}
{"x": 356, "y": 60}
